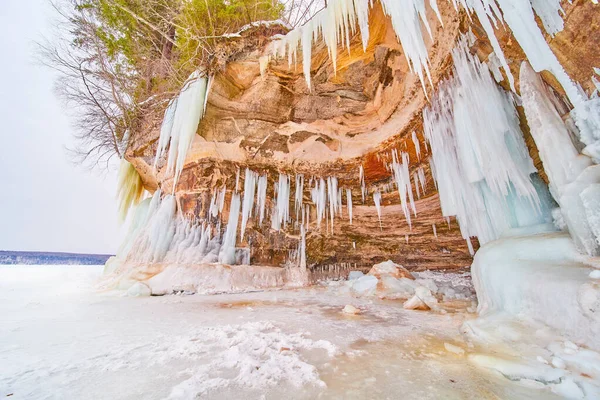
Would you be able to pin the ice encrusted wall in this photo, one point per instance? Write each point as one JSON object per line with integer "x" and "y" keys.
{"x": 484, "y": 173}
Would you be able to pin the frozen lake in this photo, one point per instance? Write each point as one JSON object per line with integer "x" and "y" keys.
{"x": 62, "y": 339}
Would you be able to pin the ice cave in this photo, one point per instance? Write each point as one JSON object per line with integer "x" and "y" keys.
{"x": 394, "y": 199}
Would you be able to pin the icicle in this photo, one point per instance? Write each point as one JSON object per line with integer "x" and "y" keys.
{"x": 349, "y": 204}
{"x": 281, "y": 212}
{"x": 319, "y": 198}
{"x": 434, "y": 231}
{"x": 302, "y": 249}
{"x": 402, "y": 178}
{"x": 213, "y": 209}
{"x": 227, "y": 254}
{"x": 237, "y": 180}
{"x": 406, "y": 238}
{"x": 299, "y": 194}
{"x": 261, "y": 197}
{"x": 333, "y": 200}
{"x": 221, "y": 199}
{"x": 416, "y": 180}
{"x": 249, "y": 189}
{"x": 415, "y": 140}
{"x": 263, "y": 64}
{"x": 421, "y": 173}
{"x": 377, "y": 200}
{"x": 363, "y": 187}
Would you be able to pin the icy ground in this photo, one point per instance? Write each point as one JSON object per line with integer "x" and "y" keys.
{"x": 60, "y": 339}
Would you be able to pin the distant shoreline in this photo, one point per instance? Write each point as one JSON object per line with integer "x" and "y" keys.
{"x": 50, "y": 258}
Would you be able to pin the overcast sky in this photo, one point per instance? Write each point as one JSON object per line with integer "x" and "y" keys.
{"x": 46, "y": 202}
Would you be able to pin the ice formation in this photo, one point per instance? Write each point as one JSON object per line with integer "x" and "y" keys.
{"x": 281, "y": 209}
{"x": 573, "y": 177}
{"x": 180, "y": 122}
{"x": 336, "y": 24}
{"x": 261, "y": 197}
{"x": 130, "y": 188}
{"x": 227, "y": 253}
{"x": 377, "y": 201}
{"x": 415, "y": 140}
{"x": 479, "y": 158}
{"x": 363, "y": 186}
{"x": 319, "y": 198}
{"x": 349, "y": 204}
{"x": 249, "y": 190}
{"x": 402, "y": 179}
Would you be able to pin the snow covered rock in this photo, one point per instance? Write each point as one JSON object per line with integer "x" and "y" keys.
{"x": 139, "y": 289}
{"x": 389, "y": 268}
{"x": 350, "y": 309}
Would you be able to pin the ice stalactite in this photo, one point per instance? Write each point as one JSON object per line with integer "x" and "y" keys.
{"x": 573, "y": 177}
{"x": 422, "y": 180}
{"x": 281, "y": 208}
{"x": 213, "y": 209}
{"x": 363, "y": 186}
{"x": 349, "y": 204}
{"x": 237, "y": 180}
{"x": 180, "y": 122}
{"x": 158, "y": 235}
{"x": 319, "y": 198}
{"x": 227, "y": 253}
{"x": 434, "y": 231}
{"x": 416, "y": 182}
{"x": 519, "y": 15}
{"x": 248, "y": 203}
{"x": 130, "y": 188}
{"x": 336, "y": 24}
{"x": 377, "y": 201}
{"x": 299, "y": 195}
{"x": 402, "y": 179}
{"x": 415, "y": 140}
{"x": 479, "y": 158}
{"x": 332, "y": 192}
{"x": 261, "y": 197}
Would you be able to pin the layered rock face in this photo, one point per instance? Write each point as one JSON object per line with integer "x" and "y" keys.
{"x": 351, "y": 118}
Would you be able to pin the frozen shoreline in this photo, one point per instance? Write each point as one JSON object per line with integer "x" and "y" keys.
{"x": 61, "y": 339}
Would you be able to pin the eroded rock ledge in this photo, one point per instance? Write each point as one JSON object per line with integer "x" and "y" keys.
{"x": 353, "y": 116}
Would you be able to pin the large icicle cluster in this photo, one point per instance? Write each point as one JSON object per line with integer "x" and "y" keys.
{"x": 481, "y": 164}
{"x": 402, "y": 178}
{"x": 180, "y": 123}
{"x": 337, "y": 23}
{"x": 158, "y": 235}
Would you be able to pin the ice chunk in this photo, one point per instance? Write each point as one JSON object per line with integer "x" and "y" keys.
{"x": 365, "y": 285}
{"x": 355, "y": 275}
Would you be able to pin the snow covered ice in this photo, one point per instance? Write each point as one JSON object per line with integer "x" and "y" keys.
{"x": 60, "y": 338}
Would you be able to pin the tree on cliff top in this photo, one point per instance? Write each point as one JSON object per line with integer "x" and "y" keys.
{"x": 117, "y": 58}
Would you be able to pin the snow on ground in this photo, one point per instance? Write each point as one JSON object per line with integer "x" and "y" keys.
{"x": 61, "y": 339}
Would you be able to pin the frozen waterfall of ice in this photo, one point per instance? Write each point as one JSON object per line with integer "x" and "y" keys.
{"x": 180, "y": 122}
{"x": 479, "y": 158}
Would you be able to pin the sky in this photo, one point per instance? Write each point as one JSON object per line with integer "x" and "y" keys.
{"x": 46, "y": 202}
